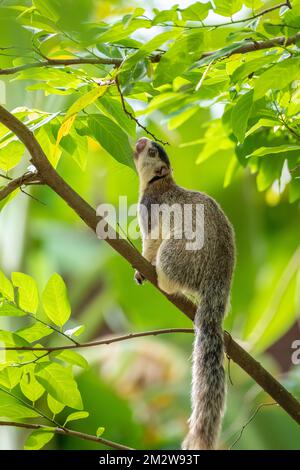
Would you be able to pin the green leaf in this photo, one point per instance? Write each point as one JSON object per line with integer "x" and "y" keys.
{"x": 240, "y": 115}
{"x": 196, "y": 12}
{"x": 227, "y": 7}
{"x": 247, "y": 68}
{"x": 10, "y": 155}
{"x": 77, "y": 147}
{"x": 55, "y": 300}
{"x": 71, "y": 357}
{"x": 55, "y": 406}
{"x": 294, "y": 190}
{"x": 10, "y": 408}
{"x": 100, "y": 431}
{"x": 112, "y": 138}
{"x": 231, "y": 171}
{"x": 262, "y": 151}
{"x": 10, "y": 310}
{"x": 6, "y": 287}
{"x": 38, "y": 439}
{"x": 47, "y": 8}
{"x": 10, "y": 377}
{"x": 11, "y": 339}
{"x": 150, "y": 46}
{"x": 29, "y": 386}
{"x": 277, "y": 77}
{"x": 162, "y": 16}
{"x": 34, "y": 332}
{"x": 28, "y": 291}
{"x": 75, "y": 416}
{"x": 85, "y": 100}
{"x": 269, "y": 170}
{"x": 120, "y": 31}
{"x": 59, "y": 383}
{"x": 185, "y": 50}
{"x": 114, "y": 109}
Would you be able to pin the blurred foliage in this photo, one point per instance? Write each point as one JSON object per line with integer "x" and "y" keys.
{"x": 232, "y": 122}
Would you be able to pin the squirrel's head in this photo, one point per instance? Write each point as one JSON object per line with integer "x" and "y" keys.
{"x": 151, "y": 161}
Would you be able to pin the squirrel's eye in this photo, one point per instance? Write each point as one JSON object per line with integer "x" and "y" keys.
{"x": 151, "y": 153}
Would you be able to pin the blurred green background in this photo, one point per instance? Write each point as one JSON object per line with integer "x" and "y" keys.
{"x": 139, "y": 390}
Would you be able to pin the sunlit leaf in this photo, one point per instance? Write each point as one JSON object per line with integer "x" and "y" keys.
{"x": 75, "y": 416}
{"x": 38, "y": 439}
{"x": 27, "y": 291}
{"x": 60, "y": 384}
{"x": 6, "y": 287}
{"x": 55, "y": 300}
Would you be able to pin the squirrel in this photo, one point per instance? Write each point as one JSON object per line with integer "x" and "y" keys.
{"x": 205, "y": 272}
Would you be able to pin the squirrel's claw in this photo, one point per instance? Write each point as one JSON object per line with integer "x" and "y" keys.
{"x": 139, "y": 278}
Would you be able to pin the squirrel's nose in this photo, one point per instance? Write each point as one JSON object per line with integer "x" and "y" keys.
{"x": 141, "y": 144}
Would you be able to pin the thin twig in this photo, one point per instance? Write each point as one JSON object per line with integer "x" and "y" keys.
{"x": 106, "y": 341}
{"x": 262, "y": 405}
{"x": 25, "y": 180}
{"x": 67, "y": 432}
{"x": 133, "y": 117}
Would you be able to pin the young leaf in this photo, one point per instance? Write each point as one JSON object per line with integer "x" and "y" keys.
{"x": 28, "y": 292}
{"x": 54, "y": 405}
{"x": 76, "y": 331}
{"x": 38, "y": 439}
{"x": 100, "y": 431}
{"x": 75, "y": 416}
{"x": 59, "y": 383}
{"x": 112, "y": 138}
{"x": 6, "y": 288}
{"x": 240, "y": 115}
{"x": 55, "y": 300}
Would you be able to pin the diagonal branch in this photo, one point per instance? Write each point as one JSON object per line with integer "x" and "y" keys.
{"x": 50, "y": 177}
{"x": 244, "y": 48}
{"x": 67, "y": 432}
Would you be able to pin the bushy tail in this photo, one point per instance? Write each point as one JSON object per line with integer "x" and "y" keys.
{"x": 208, "y": 386}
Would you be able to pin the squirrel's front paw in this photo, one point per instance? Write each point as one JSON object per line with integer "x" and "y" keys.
{"x": 139, "y": 278}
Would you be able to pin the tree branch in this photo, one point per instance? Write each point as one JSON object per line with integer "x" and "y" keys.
{"x": 50, "y": 177}
{"x": 67, "y": 432}
{"x": 247, "y": 46}
{"x": 100, "y": 342}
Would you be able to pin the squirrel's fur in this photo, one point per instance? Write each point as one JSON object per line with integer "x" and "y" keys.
{"x": 205, "y": 273}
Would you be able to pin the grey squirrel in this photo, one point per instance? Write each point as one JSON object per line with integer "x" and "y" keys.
{"x": 205, "y": 272}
